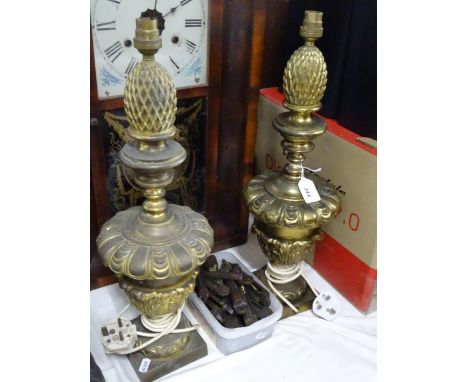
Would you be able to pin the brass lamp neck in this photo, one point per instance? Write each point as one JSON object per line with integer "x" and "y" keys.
{"x": 147, "y": 39}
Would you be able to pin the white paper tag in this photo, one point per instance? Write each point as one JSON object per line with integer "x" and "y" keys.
{"x": 327, "y": 306}
{"x": 308, "y": 190}
{"x": 144, "y": 365}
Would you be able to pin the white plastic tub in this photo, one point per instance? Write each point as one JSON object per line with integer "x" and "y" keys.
{"x": 232, "y": 340}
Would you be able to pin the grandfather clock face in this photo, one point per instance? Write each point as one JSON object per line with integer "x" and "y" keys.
{"x": 184, "y": 41}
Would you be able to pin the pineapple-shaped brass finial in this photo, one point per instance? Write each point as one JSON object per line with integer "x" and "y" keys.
{"x": 305, "y": 76}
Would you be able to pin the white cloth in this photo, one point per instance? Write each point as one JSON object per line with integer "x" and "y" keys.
{"x": 303, "y": 347}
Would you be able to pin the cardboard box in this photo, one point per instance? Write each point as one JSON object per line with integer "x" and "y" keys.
{"x": 347, "y": 257}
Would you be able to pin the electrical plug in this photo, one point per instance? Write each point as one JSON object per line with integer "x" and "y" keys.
{"x": 327, "y": 306}
{"x": 118, "y": 335}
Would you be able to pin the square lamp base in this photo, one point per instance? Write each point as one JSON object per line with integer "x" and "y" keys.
{"x": 303, "y": 303}
{"x": 194, "y": 349}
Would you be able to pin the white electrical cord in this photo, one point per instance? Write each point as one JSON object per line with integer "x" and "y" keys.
{"x": 310, "y": 169}
{"x": 161, "y": 326}
{"x": 282, "y": 274}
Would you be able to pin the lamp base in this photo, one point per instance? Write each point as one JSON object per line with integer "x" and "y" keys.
{"x": 302, "y": 303}
{"x": 169, "y": 353}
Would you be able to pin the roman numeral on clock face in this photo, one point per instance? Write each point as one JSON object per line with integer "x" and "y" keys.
{"x": 109, "y": 26}
{"x": 190, "y": 46}
{"x": 183, "y": 2}
{"x": 191, "y": 23}
{"x": 130, "y": 66}
{"x": 114, "y": 51}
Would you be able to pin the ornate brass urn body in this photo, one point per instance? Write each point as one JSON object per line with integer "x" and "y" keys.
{"x": 154, "y": 249}
{"x": 285, "y": 225}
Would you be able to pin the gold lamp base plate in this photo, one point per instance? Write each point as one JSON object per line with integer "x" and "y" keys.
{"x": 194, "y": 349}
{"x": 303, "y": 303}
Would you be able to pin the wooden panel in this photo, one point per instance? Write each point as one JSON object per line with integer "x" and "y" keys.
{"x": 238, "y": 16}
{"x": 275, "y": 54}
{"x": 255, "y": 78}
{"x": 201, "y": 91}
{"x": 214, "y": 95}
{"x": 93, "y": 227}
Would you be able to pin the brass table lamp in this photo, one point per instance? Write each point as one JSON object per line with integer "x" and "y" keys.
{"x": 285, "y": 225}
{"x": 155, "y": 249}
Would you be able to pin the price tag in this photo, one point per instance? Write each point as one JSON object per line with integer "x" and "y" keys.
{"x": 308, "y": 190}
{"x": 327, "y": 306}
{"x": 144, "y": 365}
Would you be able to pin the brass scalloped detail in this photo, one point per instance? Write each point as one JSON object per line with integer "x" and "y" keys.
{"x": 294, "y": 290}
{"x": 277, "y": 212}
{"x": 167, "y": 350}
{"x": 150, "y": 99}
{"x": 305, "y": 77}
{"x": 153, "y": 302}
{"x": 159, "y": 261}
{"x": 285, "y": 252}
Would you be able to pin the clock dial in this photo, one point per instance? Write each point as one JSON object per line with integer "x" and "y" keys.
{"x": 184, "y": 40}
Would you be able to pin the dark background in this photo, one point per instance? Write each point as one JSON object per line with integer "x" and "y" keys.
{"x": 349, "y": 45}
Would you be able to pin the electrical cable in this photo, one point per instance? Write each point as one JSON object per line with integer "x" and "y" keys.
{"x": 160, "y": 325}
{"x": 282, "y": 274}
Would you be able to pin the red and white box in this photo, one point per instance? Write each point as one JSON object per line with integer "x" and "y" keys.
{"x": 347, "y": 256}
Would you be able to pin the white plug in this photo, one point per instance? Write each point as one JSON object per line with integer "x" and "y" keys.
{"x": 327, "y": 306}
{"x": 118, "y": 335}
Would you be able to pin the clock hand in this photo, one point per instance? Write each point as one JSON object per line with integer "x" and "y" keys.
{"x": 171, "y": 11}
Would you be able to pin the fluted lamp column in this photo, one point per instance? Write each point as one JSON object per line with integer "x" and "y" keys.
{"x": 155, "y": 249}
{"x": 286, "y": 226}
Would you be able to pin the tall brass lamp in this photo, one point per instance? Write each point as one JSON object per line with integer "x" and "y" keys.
{"x": 286, "y": 226}
{"x": 155, "y": 249}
